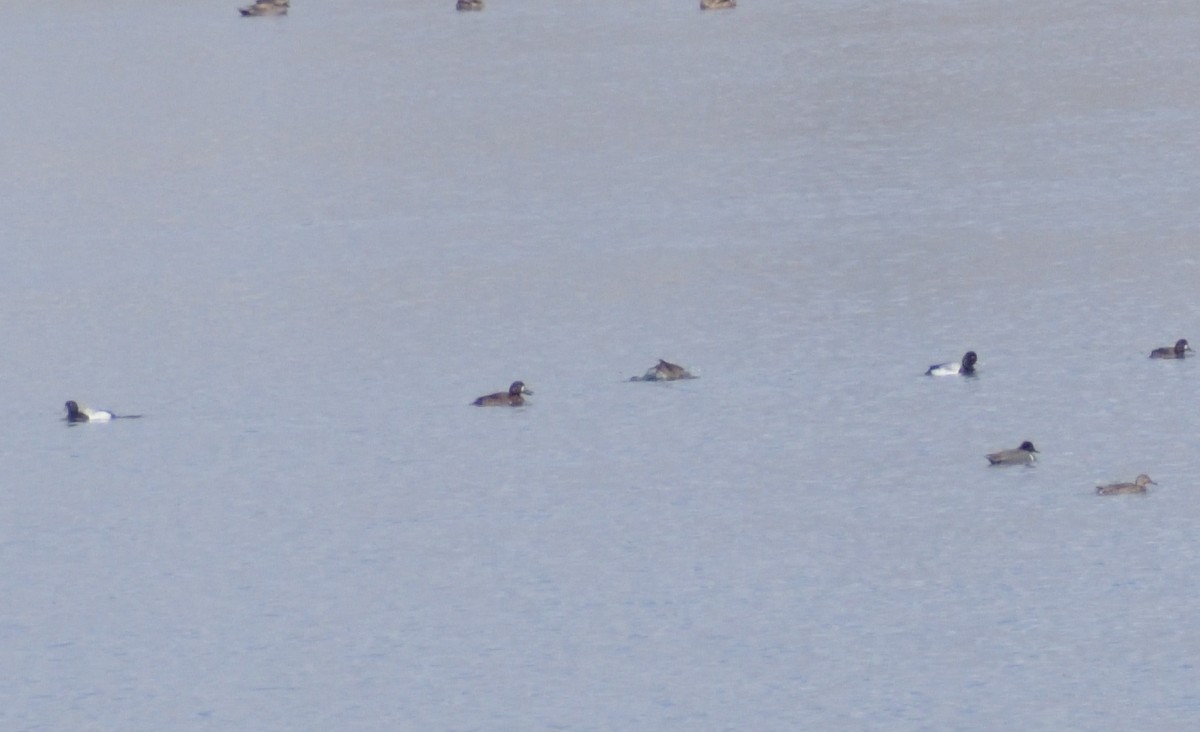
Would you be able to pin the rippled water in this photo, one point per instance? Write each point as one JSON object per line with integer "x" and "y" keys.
{"x": 302, "y": 246}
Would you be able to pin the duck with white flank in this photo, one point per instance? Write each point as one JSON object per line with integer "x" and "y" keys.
{"x": 966, "y": 367}
{"x": 76, "y": 413}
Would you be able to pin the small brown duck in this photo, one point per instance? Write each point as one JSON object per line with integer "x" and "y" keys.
{"x": 265, "y": 7}
{"x": 1023, "y": 455}
{"x": 511, "y": 398}
{"x": 1115, "y": 489}
{"x": 717, "y": 4}
{"x": 467, "y": 5}
{"x": 664, "y": 371}
{"x": 1179, "y": 350}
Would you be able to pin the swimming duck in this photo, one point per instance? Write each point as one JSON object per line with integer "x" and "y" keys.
{"x": 463, "y": 5}
{"x": 1023, "y": 455}
{"x": 1179, "y": 350}
{"x": 1115, "y": 489}
{"x": 717, "y": 4}
{"x": 664, "y": 371}
{"x": 75, "y": 413}
{"x": 510, "y": 398}
{"x": 964, "y": 368}
{"x": 266, "y": 7}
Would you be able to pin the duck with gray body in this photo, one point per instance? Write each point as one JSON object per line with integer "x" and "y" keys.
{"x": 1023, "y": 455}
{"x": 511, "y": 398}
{"x": 265, "y": 7}
{"x": 664, "y": 371}
{"x": 1115, "y": 489}
{"x": 1179, "y": 350}
{"x": 717, "y": 4}
{"x": 966, "y": 367}
{"x": 467, "y": 5}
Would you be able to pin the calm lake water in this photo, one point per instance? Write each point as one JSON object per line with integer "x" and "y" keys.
{"x": 301, "y": 246}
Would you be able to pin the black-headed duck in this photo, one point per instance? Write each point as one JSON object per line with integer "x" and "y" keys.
{"x": 511, "y": 398}
{"x": 966, "y": 367}
{"x": 76, "y": 413}
{"x": 83, "y": 414}
{"x": 1179, "y": 350}
{"x": 1023, "y": 455}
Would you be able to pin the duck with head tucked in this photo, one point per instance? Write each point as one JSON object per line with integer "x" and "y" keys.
{"x": 466, "y": 5}
{"x": 717, "y": 4}
{"x": 966, "y": 367}
{"x": 265, "y": 7}
{"x": 1116, "y": 489}
{"x": 1179, "y": 350}
{"x": 664, "y": 371}
{"x": 514, "y": 397}
{"x": 1023, "y": 455}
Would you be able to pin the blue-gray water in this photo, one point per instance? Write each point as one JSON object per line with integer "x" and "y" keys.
{"x": 301, "y": 246}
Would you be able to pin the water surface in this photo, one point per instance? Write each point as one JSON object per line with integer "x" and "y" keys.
{"x": 301, "y": 246}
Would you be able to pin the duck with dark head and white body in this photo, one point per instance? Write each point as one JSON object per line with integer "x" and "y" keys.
{"x": 965, "y": 367}
{"x": 76, "y": 414}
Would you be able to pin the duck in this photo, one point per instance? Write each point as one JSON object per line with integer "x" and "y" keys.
{"x": 1115, "y": 489}
{"x": 464, "y": 5}
{"x": 717, "y": 4}
{"x": 265, "y": 7}
{"x": 1026, "y": 454}
{"x": 75, "y": 413}
{"x": 1179, "y": 350}
{"x": 966, "y": 367}
{"x": 511, "y": 398}
{"x": 664, "y": 371}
